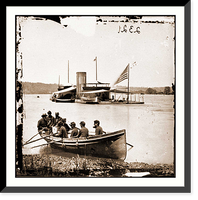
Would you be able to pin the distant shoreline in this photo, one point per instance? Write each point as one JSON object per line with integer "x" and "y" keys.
{"x": 45, "y": 88}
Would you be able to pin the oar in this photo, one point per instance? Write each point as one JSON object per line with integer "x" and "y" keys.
{"x": 36, "y": 140}
{"x": 45, "y": 144}
{"x": 38, "y": 146}
{"x": 31, "y": 138}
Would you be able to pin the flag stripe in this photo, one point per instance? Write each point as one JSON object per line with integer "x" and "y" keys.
{"x": 123, "y": 76}
{"x": 120, "y": 80}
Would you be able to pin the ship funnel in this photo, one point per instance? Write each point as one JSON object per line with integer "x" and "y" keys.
{"x": 80, "y": 82}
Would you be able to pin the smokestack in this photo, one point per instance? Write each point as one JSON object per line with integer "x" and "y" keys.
{"x": 80, "y": 82}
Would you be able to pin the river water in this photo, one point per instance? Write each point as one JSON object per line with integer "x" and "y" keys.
{"x": 149, "y": 126}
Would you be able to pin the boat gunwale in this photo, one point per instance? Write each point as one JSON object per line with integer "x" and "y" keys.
{"x": 82, "y": 141}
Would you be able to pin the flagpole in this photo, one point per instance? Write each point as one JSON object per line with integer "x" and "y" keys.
{"x": 96, "y": 70}
{"x": 128, "y": 83}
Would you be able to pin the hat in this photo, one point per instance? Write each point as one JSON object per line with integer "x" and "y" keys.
{"x": 97, "y": 122}
{"x": 49, "y": 112}
{"x": 82, "y": 123}
{"x": 63, "y": 119}
{"x": 72, "y": 124}
{"x": 43, "y": 115}
{"x": 60, "y": 123}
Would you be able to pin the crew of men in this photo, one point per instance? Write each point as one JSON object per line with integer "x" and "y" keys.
{"x": 47, "y": 122}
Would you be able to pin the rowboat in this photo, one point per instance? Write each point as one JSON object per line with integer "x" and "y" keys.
{"x": 110, "y": 145}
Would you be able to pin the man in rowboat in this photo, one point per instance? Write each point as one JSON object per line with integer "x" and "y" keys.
{"x": 83, "y": 132}
{"x": 74, "y": 131}
{"x": 50, "y": 120}
{"x": 62, "y": 131}
{"x": 65, "y": 124}
{"x": 98, "y": 128}
{"x": 57, "y": 118}
{"x": 42, "y": 123}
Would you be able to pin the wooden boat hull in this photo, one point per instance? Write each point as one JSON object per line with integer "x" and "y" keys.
{"x": 88, "y": 100}
{"x": 64, "y": 95}
{"x": 111, "y": 145}
{"x": 65, "y": 100}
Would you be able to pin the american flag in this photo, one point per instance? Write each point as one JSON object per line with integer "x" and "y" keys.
{"x": 123, "y": 76}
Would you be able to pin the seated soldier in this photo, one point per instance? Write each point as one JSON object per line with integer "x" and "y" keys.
{"x": 62, "y": 131}
{"x": 50, "y": 120}
{"x": 74, "y": 131}
{"x": 65, "y": 124}
{"x": 57, "y": 118}
{"x": 42, "y": 123}
{"x": 98, "y": 129}
{"x": 83, "y": 132}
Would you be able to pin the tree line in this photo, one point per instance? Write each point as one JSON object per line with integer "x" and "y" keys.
{"x": 43, "y": 88}
{"x": 167, "y": 90}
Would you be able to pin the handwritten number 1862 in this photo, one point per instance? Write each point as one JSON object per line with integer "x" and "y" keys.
{"x": 130, "y": 29}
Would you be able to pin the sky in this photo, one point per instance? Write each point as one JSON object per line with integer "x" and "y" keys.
{"x": 47, "y": 46}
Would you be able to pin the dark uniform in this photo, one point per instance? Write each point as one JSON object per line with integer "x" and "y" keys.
{"x": 83, "y": 132}
{"x": 74, "y": 132}
{"x": 65, "y": 124}
{"x": 99, "y": 130}
{"x": 57, "y": 118}
{"x": 50, "y": 120}
{"x": 42, "y": 122}
{"x": 62, "y": 132}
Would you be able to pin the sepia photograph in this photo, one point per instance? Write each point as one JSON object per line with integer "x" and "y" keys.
{"x": 95, "y": 96}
